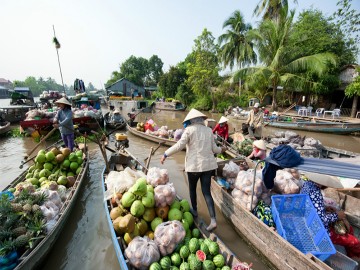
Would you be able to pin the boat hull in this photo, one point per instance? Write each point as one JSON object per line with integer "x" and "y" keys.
{"x": 5, "y": 128}
{"x": 113, "y": 125}
{"x": 170, "y": 106}
{"x": 334, "y": 128}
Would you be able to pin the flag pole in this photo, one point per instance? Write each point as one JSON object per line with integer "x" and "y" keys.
{"x": 57, "y": 47}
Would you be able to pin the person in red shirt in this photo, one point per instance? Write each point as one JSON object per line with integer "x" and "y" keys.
{"x": 222, "y": 129}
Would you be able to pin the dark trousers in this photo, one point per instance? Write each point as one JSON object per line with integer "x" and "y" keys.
{"x": 68, "y": 140}
{"x": 205, "y": 180}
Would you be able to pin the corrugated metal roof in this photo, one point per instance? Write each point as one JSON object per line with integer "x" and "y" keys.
{"x": 21, "y": 89}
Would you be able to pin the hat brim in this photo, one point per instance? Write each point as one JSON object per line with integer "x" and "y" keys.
{"x": 62, "y": 101}
{"x": 324, "y": 180}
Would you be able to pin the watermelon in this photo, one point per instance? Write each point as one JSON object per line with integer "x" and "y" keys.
{"x": 165, "y": 263}
{"x": 196, "y": 233}
{"x": 174, "y": 268}
{"x": 204, "y": 248}
{"x": 187, "y": 240}
{"x": 208, "y": 265}
{"x": 193, "y": 245}
{"x": 213, "y": 248}
{"x": 184, "y": 266}
{"x": 155, "y": 266}
{"x": 184, "y": 252}
{"x": 176, "y": 259}
{"x": 191, "y": 257}
{"x": 200, "y": 255}
{"x": 195, "y": 264}
{"x": 219, "y": 260}
{"x": 225, "y": 268}
{"x": 207, "y": 241}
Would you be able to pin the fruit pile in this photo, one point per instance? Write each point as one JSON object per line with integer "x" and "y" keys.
{"x": 30, "y": 209}
{"x": 153, "y": 222}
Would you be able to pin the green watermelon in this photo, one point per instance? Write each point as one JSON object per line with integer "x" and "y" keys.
{"x": 184, "y": 252}
{"x": 208, "y": 265}
{"x": 187, "y": 240}
{"x": 174, "y": 268}
{"x": 193, "y": 245}
{"x": 165, "y": 263}
{"x": 214, "y": 248}
{"x": 155, "y": 266}
{"x": 219, "y": 260}
{"x": 196, "y": 233}
{"x": 191, "y": 257}
{"x": 204, "y": 248}
{"x": 195, "y": 264}
{"x": 226, "y": 268}
{"x": 207, "y": 241}
{"x": 176, "y": 259}
{"x": 184, "y": 266}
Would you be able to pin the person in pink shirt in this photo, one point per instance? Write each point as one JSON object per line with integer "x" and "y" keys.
{"x": 259, "y": 150}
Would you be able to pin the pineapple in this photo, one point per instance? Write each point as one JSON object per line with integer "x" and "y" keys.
{"x": 22, "y": 241}
{"x": 16, "y": 207}
{"x": 5, "y": 234}
{"x": 6, "y": 247}
{"x": 19, "y": 231}
{"x": 27, "y": 208}
{"x": 37, "y": 226}
{"x": 11, "y": 220}
{"x": 40, "y": 198}
{"x": 35, "y": 208}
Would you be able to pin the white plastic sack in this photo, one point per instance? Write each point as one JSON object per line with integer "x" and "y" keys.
{"x": 164, "y": 195}
{"x": 142, "y": 252}
{"x": 230, "y": 170}
{"x": 168, "y": 235}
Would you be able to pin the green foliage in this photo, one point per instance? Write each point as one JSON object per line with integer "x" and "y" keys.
{"x": 139, "y": 71}
{"x": 184, "y": 94}
{"x": 270, "y": 9}
{"x": 171, "y": 80}
{"x": 37, "y": 86}
{"x": 354, "y": 88}
{"x": 204, "y": 71}
{"x": 203, "y": 103}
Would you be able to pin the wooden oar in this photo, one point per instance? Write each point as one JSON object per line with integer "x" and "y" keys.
{"x": 42, "y": 140}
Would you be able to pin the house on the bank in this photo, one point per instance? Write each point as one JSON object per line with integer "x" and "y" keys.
{"x": 5, "y": 85}
{"x": 125, "y": 88}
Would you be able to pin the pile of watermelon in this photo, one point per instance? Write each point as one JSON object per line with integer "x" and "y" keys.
{"x": 194, "y": 253}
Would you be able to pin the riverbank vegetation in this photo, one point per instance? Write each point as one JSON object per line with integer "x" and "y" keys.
{"x": 277, "y": 57}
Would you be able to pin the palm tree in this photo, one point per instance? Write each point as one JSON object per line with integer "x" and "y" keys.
{"x": 270, "y": 8}
{"x": 278, "y": 65}
{"x": 236, "y": 48}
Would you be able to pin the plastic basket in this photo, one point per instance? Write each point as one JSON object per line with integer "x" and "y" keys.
{"x": 339, "y": 261}
{"x": 297, "y": 221}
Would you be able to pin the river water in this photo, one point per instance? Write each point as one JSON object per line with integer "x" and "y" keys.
{"x": 85, "y": 241}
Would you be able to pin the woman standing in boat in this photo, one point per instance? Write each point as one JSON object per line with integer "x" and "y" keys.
{"x": 63, "y": 121}
{"x": 199, "y": 161}
{"x": 255, "y": 122}
{"x": 222, "y": 129}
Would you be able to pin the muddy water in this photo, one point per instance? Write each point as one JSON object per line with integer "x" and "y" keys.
{"x": 85, "y": 242}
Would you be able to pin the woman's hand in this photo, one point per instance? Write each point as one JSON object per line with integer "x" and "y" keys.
{"x": 341, "y": 215}
{"x": 56, "y": 125}
{"x": 162, "y": 160}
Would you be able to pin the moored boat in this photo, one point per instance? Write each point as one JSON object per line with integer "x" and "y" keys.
{"x": 4, "y": 127}
{"x": 32, "y": 257}
{"x": 112, "y": 123}
{"x": 122, "y": 161}
{"x": 170, "y": 106}
{"x": 323, "y": 127}
{"x": 15, "y": 113}
{"x": 275, "y": 250}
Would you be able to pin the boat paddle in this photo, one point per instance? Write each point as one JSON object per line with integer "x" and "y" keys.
{"x": 42, "y": 140}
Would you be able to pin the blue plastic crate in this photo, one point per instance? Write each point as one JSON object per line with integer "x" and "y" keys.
{"x": 297, "y": 221}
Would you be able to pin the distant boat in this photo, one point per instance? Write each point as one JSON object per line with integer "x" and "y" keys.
{"x": 15, "y": 113}
{"x": 323, "y": 127}
{"x": 114, "y": 124}
{"x": 170, "y": 106}
{"x": 4, "y": 127}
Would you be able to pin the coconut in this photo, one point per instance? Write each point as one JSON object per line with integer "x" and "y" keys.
{"x": 149, "y": 214}
{"x": 115, "y": 213}
{"x": 65, "y": 151}
{"x": 162, "y": 212}
{"x": 59, "y": 158}
{"x": 137, "y": 208}
{"x": 127, "y": 224}
{"x": 55, "y": 151}
{"x": 70, "y": 181}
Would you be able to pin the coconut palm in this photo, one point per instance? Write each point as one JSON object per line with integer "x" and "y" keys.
{"x": 236, "y": 48}
{"x": 270, "y": 8}
{"x": 278, "y": 65}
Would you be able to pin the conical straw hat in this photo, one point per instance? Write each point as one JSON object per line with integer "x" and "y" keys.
{"x": 324, "y": 180}
{"x": 194, "y": 114}
{"x": 63, "y": 101}
{"x": 260, "y": 144}
{"x": 223, "y": 119}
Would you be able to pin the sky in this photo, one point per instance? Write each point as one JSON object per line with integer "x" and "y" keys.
{"x": 96, "y": 36}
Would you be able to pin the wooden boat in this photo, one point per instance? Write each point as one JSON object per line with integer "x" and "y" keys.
{"x": 32, "y": 258}
{"x": 276, "y": 251}
{"x": 333, "y": 128}
{"x": 231, "y": 153}
{"x": 121, "y": 124}
{"x": 4, "y": 127}
{"x": 170, "y": 106}
{"x": 127, "y": 105}
{"x": 120, "y": 161}
{"x": 15, "y": 113}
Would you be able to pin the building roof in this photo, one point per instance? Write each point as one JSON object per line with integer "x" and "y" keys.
{"x": 107, "y": 87}
{"x": 22, "y": 89}
{"x": 2, "y": 80}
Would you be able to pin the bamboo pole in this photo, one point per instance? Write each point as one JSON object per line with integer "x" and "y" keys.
{"x": 57, "y": 52}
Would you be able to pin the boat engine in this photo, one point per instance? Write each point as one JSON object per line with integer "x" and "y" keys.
{"x": 121, "y": 141}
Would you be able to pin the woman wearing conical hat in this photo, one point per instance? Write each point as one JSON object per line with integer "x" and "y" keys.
{"x": 222, "y": 129}
{"x": 63, "y": 121}
{"x": 199, "y": 161}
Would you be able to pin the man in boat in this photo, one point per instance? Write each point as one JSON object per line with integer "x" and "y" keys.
{"x": 255, "y": 122}
{"x": 222, "y": 130}
{"x": 199, "y": 161}
{"x": 330, "y": 215}
{"x": 116, "y": 117}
